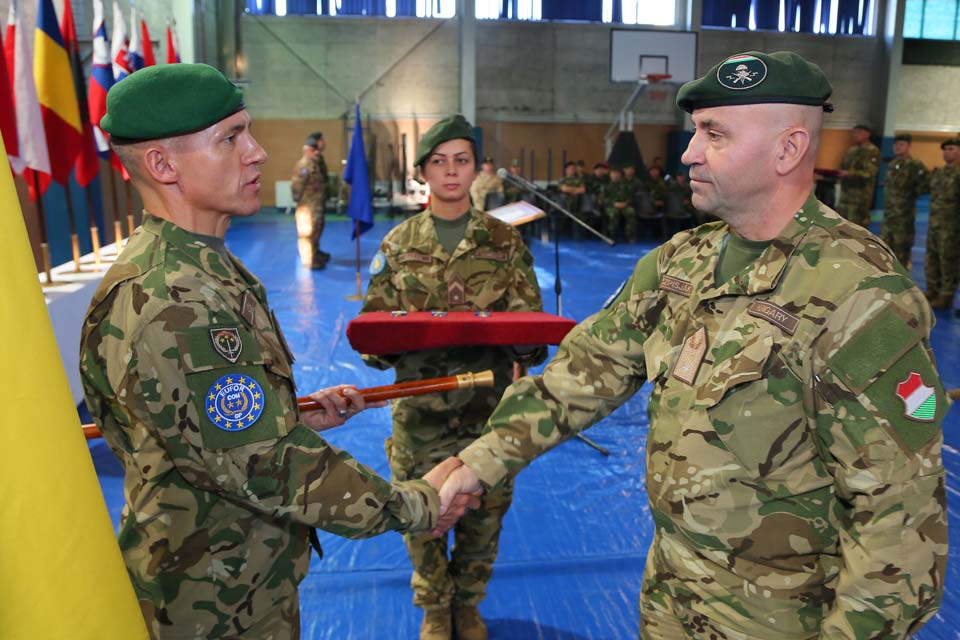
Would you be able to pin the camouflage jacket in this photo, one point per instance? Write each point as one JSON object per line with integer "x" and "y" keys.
{"x": 482, "y": 185}
{"x": 490, "y": 270}
{"x": 793, "y": 462}
{"x": 188, "y": 376}
{"x": 945, "y": 195}
{"x": 594, "y": 184}
{"x": 862, "y": 162}
{"x": 618, "y": 192}
{"x": 907, "y": 179}
{"x": 308, "y": 185}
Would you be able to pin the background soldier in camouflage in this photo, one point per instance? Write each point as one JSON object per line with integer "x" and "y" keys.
{"x": 942, "y": 268}
{"x": 487, "y": 181}
{"x": 188, "y": 376}
{"x": 794, "y": 455}
{"x": 858, "y": 177}
{"x": 511, "y": 191}
{"x": 907, "y": 179}
{"x": 596, "y": 181}
{"x": 309, "y": 188}
{"x": 657, "y": 187}
{"x": 572, "y": 187}
{"x": 618, "y": 207}
{"x": 450, "y": 257}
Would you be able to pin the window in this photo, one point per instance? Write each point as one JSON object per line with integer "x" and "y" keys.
{"x": 931, "y": 19}
{"x": 850, "y": 17}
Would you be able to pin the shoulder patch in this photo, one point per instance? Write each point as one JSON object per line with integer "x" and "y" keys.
{"x": 234, "y": 402}
{"x": 227, "y": 342}
{"x": 775, "y": 315}
{"x": 378, "y": 263}
{"x": 676, "y": 285}
{"x": 415, "y": 256}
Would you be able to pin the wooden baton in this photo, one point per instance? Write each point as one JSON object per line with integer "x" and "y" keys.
{"x": 387, "y": 392}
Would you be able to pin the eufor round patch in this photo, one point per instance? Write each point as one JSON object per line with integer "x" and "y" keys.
{"x": 378, "y": 264}
{"x": 234, "y": 402}
{"x": 741, "y": 72}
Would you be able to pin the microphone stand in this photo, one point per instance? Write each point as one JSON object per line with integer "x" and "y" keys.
{"x": 557, "y": 287}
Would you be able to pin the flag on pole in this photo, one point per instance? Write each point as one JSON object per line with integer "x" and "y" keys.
{"x": 356, "y": 174}
{"x": 148, "y": 58}
{"x": 135, "y": 49}
{"x": 87, "y": 166}
{"x": 8, "y": 119}
{"x": 119, "y": 52}
{"x": 31, "y": 137}
{"x": 101, "y": 79}
{"x": 56, "y": 93}
{"x": 63, "y": 573}
{"x": 172, "y": 49}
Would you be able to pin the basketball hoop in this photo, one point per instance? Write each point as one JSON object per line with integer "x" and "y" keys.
{"x": 655, "y": 91}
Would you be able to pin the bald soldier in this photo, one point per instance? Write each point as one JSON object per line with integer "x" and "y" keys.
{"x": 187, "y": 374}
{"x": 793, "y": 462}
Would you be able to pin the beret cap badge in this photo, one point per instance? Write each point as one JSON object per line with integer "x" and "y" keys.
{"x": 741, "y": 72}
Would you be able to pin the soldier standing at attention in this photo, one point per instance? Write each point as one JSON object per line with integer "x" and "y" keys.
{"x": 186, "y": 373}
{"x": 942, "y": 268}
{"x": 793, "y": 461}
{"x": 906, "y": 180}
{"x": 487, "y": 182}
{"x": 309, "y": 188}
{"x": 858, "y": 177}
{"x": 451, "y": 257}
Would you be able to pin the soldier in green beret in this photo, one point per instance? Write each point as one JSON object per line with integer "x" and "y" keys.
{"x": 942, "y": 266}
{"x": 858, "y": 177}
{"x": 309, "y": 189}
{"x": 793, "y": 461}
{"x": 188, "y": 376}
{"x": 907, "y": 179}
{"x": 451, "y": 257}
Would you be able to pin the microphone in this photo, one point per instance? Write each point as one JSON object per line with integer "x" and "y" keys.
{"x": 519, "y": 181}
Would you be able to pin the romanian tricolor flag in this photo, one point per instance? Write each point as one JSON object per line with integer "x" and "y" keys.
{"x": 8, "y": 118}
{"x": 172, "y": 56}
{"x": 101, "y": 78}
{"x": 55, "y": 90}
{"x": 148, "y": 58}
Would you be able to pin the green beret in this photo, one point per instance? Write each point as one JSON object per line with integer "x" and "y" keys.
{"x": 313, "y": 138}
{"x": 515, "y": 162}
{"x": 758, "y": 78}
{"x": 168, "y": 100}
{"x": 450, "y": 128}
{"x": 950, "y": 142}
{"x": 865, "y": 127}
{"x": 905, "y": 137}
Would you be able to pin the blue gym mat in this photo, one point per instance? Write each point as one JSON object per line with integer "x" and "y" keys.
{"x": 574, "y": 542}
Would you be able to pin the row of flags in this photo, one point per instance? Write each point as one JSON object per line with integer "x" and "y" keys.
{"x": 49, "y": 112}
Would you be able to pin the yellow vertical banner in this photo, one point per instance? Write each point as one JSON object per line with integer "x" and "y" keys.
{"x": 61, "y": 573}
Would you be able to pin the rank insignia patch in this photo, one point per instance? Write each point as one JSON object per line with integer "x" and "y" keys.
{"x": 227, "y": 343}
{"x": 234, "y": 402}
{"x": 378, "y": 264}
{"x": 919, "y": 400}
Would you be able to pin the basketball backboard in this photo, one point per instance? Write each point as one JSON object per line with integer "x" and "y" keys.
{"x": 635, "y": 53}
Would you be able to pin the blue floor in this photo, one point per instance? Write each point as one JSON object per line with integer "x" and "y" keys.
{"x": 574, "y": 542}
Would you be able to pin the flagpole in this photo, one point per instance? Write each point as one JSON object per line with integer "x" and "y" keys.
{"x": 356, "y": 232}
{"x": 44, "y": 246}
{"x": 94, "y": 230}
{"x": 117, "y": 226}
{"x": 74, "y": 237}
{"x": 129, "y": 195}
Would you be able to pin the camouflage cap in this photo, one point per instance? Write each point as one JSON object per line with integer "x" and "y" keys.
{"x": 515, "y": 162}
{"x": 903, "y": 137}
{"x": 758, "y": 78}
{"x": 313, "y": 138}
{"x": 168, "y": 100}
{"x": 450, "y": 128}
{"x": 955, "y": 142}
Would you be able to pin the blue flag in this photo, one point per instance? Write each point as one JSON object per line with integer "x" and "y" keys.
{"x": 360, "y": 207}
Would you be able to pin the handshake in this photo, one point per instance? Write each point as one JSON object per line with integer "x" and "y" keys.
{"x": 459, "y": 490}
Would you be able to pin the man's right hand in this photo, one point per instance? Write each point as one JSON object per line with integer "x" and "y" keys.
{"x": 456, "y": 506}
{"x": 459, "y": 485}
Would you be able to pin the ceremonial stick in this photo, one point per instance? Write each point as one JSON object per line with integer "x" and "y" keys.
{"x": 376, "y": 394}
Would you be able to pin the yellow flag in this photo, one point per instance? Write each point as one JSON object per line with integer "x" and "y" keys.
{"x": 61, "y": 573}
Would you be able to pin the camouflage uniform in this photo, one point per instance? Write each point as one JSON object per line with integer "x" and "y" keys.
{"x": 491, "y": 270}
{"x": 794, "y": 495}
{"x": 906, "y": 180}
{"x": 512, "y": 192}
{"x": 658, "y": 192}
{"x": 483, "y": 184}
{"x": 856, "y": 190}
{"x": 309, "y": 189}
{"x": 215, "y": 530}
{"x": 943, "y": 234}
{"x": 627, "y": 217}
{"x": 571, "y": 201}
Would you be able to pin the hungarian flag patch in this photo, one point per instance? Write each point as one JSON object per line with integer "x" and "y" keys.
{"x": 919, "y": 400}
